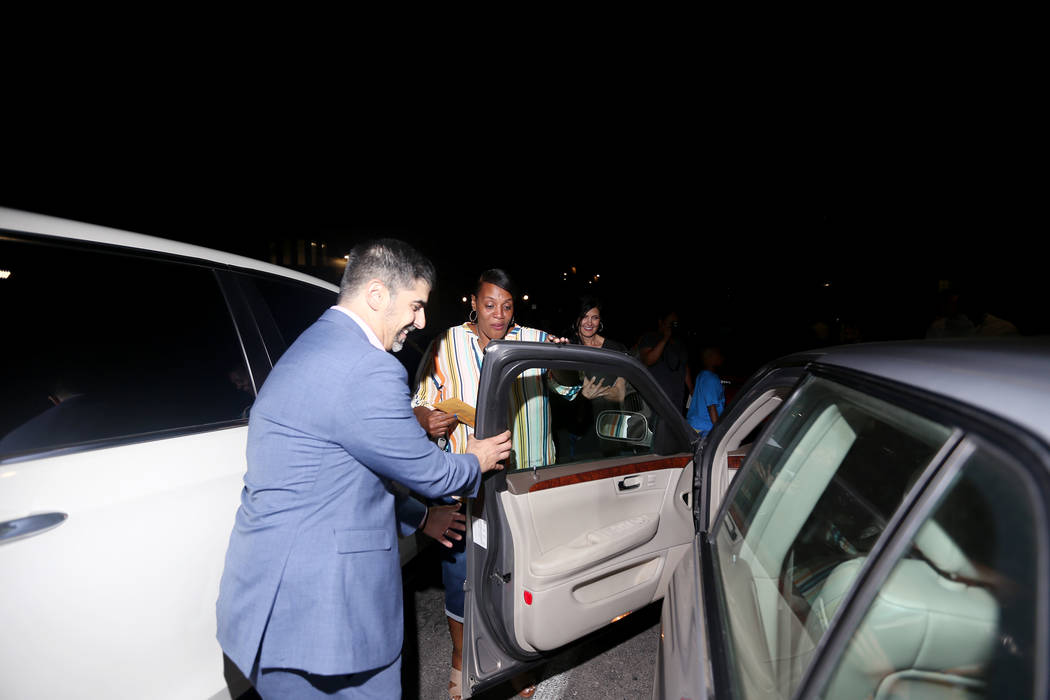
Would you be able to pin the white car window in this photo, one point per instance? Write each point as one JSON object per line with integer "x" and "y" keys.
{"x": 813, "y": 499}
{"x": 956, "y": 617}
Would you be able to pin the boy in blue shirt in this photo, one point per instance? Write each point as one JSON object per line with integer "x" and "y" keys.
{"x": 709, "y": 400}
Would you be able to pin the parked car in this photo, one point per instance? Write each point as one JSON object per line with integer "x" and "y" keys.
{"x": 886, "y": 535}
{"x": 130, "y": 364}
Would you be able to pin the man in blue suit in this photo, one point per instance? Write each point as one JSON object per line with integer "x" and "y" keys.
{"x": 310, "y": 599}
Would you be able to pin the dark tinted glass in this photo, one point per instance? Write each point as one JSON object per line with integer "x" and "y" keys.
{"x": 99, "y": 345}
{"x": 294, "y": 306}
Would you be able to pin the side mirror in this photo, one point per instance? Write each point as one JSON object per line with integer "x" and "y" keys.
{"x": 624, "y": 426}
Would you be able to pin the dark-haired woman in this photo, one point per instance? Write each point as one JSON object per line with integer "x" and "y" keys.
{"x": 451, "y": 368}
{"x": 606, "y": 392}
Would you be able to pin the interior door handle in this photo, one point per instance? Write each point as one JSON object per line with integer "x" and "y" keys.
{"x": 631, "y": 482}
{"x": 20, "y": 528}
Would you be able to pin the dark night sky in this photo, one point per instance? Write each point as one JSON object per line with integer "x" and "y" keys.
{"x": 738, "y": 216}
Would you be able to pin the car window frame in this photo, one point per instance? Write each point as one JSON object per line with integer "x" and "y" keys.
{"x": 722, "y": 659}
{"x": 976, "y": 431}
{"x": 970, "y": 427}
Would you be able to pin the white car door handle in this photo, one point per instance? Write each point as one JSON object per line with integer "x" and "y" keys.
{"x": 11, "y": 530}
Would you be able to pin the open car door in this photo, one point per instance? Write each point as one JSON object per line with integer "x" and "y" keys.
{"x": 590, "y": 517}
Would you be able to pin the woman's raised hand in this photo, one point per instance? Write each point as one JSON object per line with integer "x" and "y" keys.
{"x": 594, "y": 389}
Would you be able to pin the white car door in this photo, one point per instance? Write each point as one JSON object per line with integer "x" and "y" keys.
{"x": 118, "y": 601}
{"x": 122, "y": 451}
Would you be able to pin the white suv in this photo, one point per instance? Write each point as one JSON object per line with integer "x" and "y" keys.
{"x": 130, "y": 364}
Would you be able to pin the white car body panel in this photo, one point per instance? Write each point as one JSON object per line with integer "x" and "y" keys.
{"x": 143, "y": 547}
{"x": 61, "y": 228}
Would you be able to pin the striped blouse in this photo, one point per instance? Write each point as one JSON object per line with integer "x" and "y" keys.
{"x": 451, "y": 367}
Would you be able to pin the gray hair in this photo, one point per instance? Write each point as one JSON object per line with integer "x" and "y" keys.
{"x": 395, "y": 263}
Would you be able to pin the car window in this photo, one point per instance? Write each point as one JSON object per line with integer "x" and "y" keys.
{"x": 956, "y": 617}
{"x": 567, "y": 416}
{"x": 100, "y": 345}
{"x": 294, "y": 305}
{"x": 815, "y": 496}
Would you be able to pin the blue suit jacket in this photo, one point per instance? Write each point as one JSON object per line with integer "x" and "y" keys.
{"x": 313, "y": 558}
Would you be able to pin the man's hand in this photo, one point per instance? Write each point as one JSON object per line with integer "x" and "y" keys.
{"x": 444, "y": 523}
{"x": 436, "y": 423}
{"x": 490, "y": 451}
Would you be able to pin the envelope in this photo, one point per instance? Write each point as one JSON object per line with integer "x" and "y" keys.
{"x": 464, "y": 411}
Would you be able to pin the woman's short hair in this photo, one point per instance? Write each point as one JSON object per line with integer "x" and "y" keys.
{"x": 497, "y": 277}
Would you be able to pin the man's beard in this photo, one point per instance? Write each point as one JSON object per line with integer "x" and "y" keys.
{"x": 399, "y": 342}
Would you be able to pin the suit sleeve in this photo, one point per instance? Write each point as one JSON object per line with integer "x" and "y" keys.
{"x": 383, "y": 434}
{"x": 410, "y": 513}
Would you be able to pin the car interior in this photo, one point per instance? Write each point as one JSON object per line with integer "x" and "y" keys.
{"x": 736, "y": 443}
{"x": 799, "y": 533}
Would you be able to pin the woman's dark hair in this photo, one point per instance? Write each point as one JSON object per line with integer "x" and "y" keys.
{"x": 497, "y": 277}
{"x": 587, "y": 303}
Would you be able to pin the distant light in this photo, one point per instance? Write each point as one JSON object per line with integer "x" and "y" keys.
{"x": 597, "y": 276}
{"x": 525, "y": 297}
{"x": 464, "y": 300}
{"x": 4, "y": 274}
{"x": 573, "y": 270}
{"x": 346, "y": 257}
{"x": 313, "y": 243}
{"x": 827, "y": 284}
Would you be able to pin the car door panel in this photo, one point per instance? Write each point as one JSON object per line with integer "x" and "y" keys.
{"x": 559, "y": 552}
{"x": 590, "y": 552}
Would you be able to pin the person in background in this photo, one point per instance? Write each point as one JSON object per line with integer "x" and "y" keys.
{"x": 578, "y": 417}
{"x": 451, "y": 368}
{"x": 709, "y": 399}
{"x": 667, "y": 359}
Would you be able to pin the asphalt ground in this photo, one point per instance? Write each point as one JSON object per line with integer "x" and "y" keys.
{"x": 618, "y": 662}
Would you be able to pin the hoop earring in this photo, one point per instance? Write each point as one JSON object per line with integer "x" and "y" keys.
{"x": 473, "y": 316}
{"x": 601, "y": 327}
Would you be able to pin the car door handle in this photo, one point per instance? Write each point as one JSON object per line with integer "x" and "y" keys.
{"x": 20, "y": 528}
{"x": 631, "y": 482}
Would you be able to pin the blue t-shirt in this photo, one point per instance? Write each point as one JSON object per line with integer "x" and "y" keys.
{"x": 708, "y": 392}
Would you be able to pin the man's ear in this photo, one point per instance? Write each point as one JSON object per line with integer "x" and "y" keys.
{"x": 377, "y": 295}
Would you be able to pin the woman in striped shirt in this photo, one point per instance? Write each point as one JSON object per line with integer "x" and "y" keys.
{"x": 451, "y": 368}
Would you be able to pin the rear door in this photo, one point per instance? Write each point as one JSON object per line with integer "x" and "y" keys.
{"x": 591, "y": 516}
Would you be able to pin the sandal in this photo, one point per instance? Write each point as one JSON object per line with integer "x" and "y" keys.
{"x": 528, "y": 690}
{"x": 455, "y": 683}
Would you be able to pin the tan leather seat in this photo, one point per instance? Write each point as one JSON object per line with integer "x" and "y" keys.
{"x": 924, "y": 636}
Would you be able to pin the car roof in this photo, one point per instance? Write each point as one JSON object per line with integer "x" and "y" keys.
{"x": 39, "y": 224}
{"x": 1008, "y": 377}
